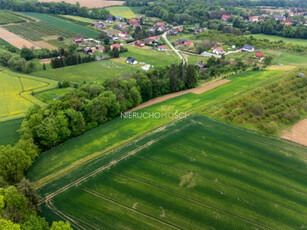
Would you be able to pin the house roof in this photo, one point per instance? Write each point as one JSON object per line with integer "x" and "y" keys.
{"x": 188, "y": 43}
{"x": 254, "y": 17}
{"x": 248, "y": 47}
{"x": 160, "y": 23}
{"x": 153, "y": 38}
{"x": 162, "y": 47}
{"x": 220, "y": 49}
{"x": 225, "y": 16}
{"x": 134, "y": 21}
{"x": 78, "y": 40}
{"x": 259, "y": 54}
{"x": 130, "y": 59}
{"x": 115, "y": 45}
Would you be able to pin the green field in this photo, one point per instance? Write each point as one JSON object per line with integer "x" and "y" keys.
{"x": 6, "y": 17}
{"x": 152, "y": 57}
{"x": 302, "y": 42}
{"x": 49, "y": 95}
{"x": 289, "y": 59}
{"x": 77, "y": 18}
{"x": 68, "y": 26}
{"x": 196, "y": 173}
{"x": 118, "y": 131}
{"x": 123, "y": 11}
{"x": 36, "y": 31}
{"x": 9, "y": 134}
{"x": 89, "y": 72}
{"x": 15, "y": 93}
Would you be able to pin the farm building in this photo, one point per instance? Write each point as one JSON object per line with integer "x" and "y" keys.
{"x": 154, "y": 39}
{"x": 98, "y": 25}
{"x": 259, "y": 55}
{"x": 218, "y": 50}
{"x": 131, "y": 60}
{"x": 248, "y": 48}
{"x": 118, "y": 17}
{"x": 161, "y": 29}
{"x": 115, "y": 45}
{"x": 162, "y": 48}
{"x": 134, "y": 21}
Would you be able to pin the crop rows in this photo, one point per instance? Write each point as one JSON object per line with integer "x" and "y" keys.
{"x": 36, "y": 31}
{"x": 6, "y": 18}
{"x": 276, "y": 101}
{"x": 219, "y": 176}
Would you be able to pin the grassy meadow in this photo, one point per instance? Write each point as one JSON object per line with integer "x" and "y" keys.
{"x": 118, "y": 131}
{"x": 66, "y": 25}
{"x": 77, "y": 18}
{"x": 123, "y": 11}
{"x": 89, "y": 72}
{"x": 48, "y": 96}
{"x": 294, "y": 41}
{"x": 216, "y": 177}
{"x": 15, "y": 93}
{"x": 9, "y": 134}
{"x": 150, "y": 56}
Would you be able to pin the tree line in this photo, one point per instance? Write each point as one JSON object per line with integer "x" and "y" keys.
{"x": 54, "y": 8}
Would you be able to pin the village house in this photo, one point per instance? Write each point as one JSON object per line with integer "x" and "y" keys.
{"x": 99, "y": 25}
{"x": 188, "y": 43}
{"x": 201, "y": 66}
{"x": 259, "y": 55}
{"x": 139, "y": 43}
{"x": 134, "y": 21}
{"x": 248, "y": 48}
{"x": 300, "y": 75}
{"x": 162, "y": 48}
{"x": 78, "y": 40}
{"x": 122, "y": 24}
{"x": 87, "y": 50}
{"x": 110, "y": 21}
{"x": 154, "y": 39}
{"x": 115, "y": 45}
{"x": 218, "y": 50}
{"x": 279, "y": 18}
{"x": 159, "y": 24}
{"x": 179, "y": 28}
{"x": 253, "y": 19}
{"x": 131, "y": 60}
{"x": 118, "y": 18}
{"x": 180, "y": 41}
{"x": 173, "y": 32}
{"x": 161, "y": 29}
{"x": 122, "y": 34}
{"x": 225, "y": 17}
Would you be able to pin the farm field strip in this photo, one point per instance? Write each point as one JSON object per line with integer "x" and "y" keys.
{"x": 16, "y": 40}
{"x": 177, "y": 187}
{"x": 68, "y": 26}
{"x": 6, "y": 18}
{"x": 122, "y": 11}
{"x": 295, "y": 41}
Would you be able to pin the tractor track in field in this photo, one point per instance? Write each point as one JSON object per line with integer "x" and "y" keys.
{"x": 173, "y": 226}
{"x": 48, "y": 198}
{"x": 196, "y": 201}
{"x": 237, "y": 188}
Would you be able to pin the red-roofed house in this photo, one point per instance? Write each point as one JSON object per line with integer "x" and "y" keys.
{"x": 259, "y": 55}
{"x": 78, "y": 40}
{"x": 122, "y": 34}
{"x": 287, "y": 23}
{"x": 115, "y": 45}
{"x": 218, "y": 50}
{"x": 139, "y": 43}
{"x": 160, "y": 24}
{"x": 225, "y": 17}
{"x": 253, "y": 19}
{"x": 134, "y": 21}
{"x": 188, "y": 43}
{"x": 162, "y": 48}
{"x": 154, "y": 39}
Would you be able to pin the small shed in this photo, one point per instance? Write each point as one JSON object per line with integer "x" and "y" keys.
{"x": 300, "y": 75}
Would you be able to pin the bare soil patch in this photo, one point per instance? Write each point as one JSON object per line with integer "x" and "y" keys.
{"x": 298, "y": 133}
{"x": 173, "y": 95}
{"x": 89, "y": 3}
{"x": 16, "y": 40}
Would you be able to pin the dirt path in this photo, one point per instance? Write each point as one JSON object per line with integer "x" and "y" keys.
{"x": 15, "y": 40}
{"x": 89, "y": 3}
{"x": 173, "y": 95}
{"x": 298, "y": 133}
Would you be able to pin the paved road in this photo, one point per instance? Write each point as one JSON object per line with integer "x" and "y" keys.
{"x": 173, "y": 48}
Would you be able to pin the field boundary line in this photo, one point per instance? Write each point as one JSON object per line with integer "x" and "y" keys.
{"x": 130, "y": 209}
{"x": 195, "y": 201}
